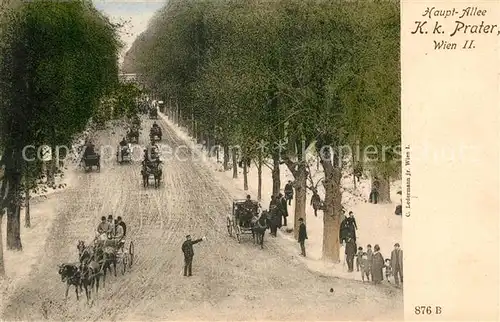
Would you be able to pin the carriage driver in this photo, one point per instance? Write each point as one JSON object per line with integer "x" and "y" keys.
{"x": 89, "y": 148}
{"x": 111, "y": 225}
{"x": 103, "y": 226}
{"x": 123, "y": 142}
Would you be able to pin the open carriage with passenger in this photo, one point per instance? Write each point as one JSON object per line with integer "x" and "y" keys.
{"x": 155, "y": 133}
{"x": 90, "y": 158}
{"x": 151, "y": 167}
{"x": 247, "y": 219}
{"x": 153, "y": 113}
{"x": 133, "y": 134}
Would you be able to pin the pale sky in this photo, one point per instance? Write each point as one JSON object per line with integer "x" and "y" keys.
{"x": 138, "y": 12}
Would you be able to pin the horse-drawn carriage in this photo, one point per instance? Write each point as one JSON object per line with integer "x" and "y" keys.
{"x": 91, "y": 160}
{"x": 155, "y": 134}
{"x": 124, "y": 153}
{"x": 124, "y": 255}
{"x": 247, "y": 218}
{"x": 153, "y": 113}
{"x": 133, "y": 134}
{"x": 151, "y": 169}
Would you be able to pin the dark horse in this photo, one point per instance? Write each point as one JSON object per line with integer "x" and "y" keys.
{"x": 259, "y": 228}
{"x": 103, "y": 255}
{"x": 71, "y": 274}
{"x": 90, "y": 269}
{"x": 155, "y": 171}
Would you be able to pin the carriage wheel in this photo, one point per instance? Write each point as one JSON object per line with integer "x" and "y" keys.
{"x": 131, "y": 253}
{"x": 238, "y": 234}
{"x": 124, "y": 263}
{"x": 229, "y": 227}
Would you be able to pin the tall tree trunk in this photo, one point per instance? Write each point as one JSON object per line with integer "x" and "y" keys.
{"x": 384, "y": 194}
{"x": 27, "y": 217}
{"x": 245, "y": 174}
{"x": 2, "y": 263}
{"x": 235, "y": 163}
{"x": 332, "y": 210}
{"x": 226, "y": 158}
{"x": 259, "y": 177}
{"x": 275, "y": 173}
{"x": 300, "y": 185}
{"x": 14, "y": 227}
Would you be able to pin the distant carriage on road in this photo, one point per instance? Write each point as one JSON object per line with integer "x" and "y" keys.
{"x": 153, "y": 113}
{"x": 155, "y": 134}
{"x": 133, "y": 135}
{"x": 123, "y": 154}
{"x": 90, "y": 161}
{"x": 241, "y": 221}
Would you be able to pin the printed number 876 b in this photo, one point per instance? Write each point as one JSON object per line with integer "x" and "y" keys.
{"x": 427, "y": 310}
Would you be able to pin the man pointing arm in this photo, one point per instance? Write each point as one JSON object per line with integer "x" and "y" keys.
{"x": 187, "y": 249}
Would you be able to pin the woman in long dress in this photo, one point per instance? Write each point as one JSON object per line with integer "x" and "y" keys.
{"x": 377, "y": 266}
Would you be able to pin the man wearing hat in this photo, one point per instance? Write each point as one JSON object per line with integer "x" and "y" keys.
{"x": 302, "y": 237}
{"x": 283, "y": 208}
{"x": 187, "y": 249}
{"x": 103, "y": 226}
{"x": 111, "y": 225}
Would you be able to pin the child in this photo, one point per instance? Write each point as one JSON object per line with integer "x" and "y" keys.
{"x": 388, "y": 269}
{"x": 358, "y": 257}
{"x": 365, "y": 268}
{"x": 369, "y": 254}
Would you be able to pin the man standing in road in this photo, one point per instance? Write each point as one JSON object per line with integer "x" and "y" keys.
{"x": 397, "y": 263}
{"x": 302, "y": 237}
{"x": 187, "y": 249}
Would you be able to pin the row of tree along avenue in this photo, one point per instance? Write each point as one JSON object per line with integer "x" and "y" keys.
{"x": 300, "y": 72}
{"x": 58, "y": 62}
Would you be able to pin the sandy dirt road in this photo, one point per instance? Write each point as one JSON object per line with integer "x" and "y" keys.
{"x": 231, "y": 281}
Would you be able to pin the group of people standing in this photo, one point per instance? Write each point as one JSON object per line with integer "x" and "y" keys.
{"x": 371, "y": 264}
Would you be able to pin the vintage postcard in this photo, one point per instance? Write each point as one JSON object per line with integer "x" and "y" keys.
{"x": 275, "y": 160}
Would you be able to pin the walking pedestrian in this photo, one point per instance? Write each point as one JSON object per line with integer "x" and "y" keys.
{"x": 187, "y": 249}
{"x": 350, "y": 252}
{"x": 283, "y": 208}
{"x": 397, "y": 263}
{"x": 377, "y": 266}
{"x": 302, "y": 237}
{"x": 289, "y": 192}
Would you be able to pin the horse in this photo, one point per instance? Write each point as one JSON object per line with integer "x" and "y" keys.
{"x": 103, "y": 254}
{"x": 259, "y": 227}
{"x": 90, "y": 275}
{"x": 71, "y": 274}
{"x": 90, "y": 268}
{"x": 155, "y": 171}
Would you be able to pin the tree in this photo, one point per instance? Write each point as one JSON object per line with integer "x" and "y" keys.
{"x": 57, "y": 58}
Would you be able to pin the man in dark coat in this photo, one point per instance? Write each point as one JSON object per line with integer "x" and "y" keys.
{"x": 397, "y": 263}
{"x": 316, "y": 202}
{"x": 119, "y": 222}
{"x": 283, "y": 208}
{"x": 289, "y": 192}
{"x": 302, "y": 237}
{"x": 187, "y": 249}
{"x": 375, "y": 191}
{"x": 350, "y": 252}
